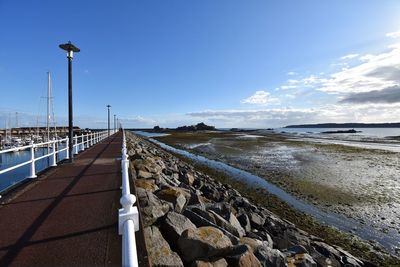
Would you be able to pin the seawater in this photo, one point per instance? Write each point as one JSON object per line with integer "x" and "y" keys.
{"x": 15, "y": 176}
{"x": 364, "y": 132}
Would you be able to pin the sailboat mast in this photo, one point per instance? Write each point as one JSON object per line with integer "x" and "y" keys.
{"x": 48, "y": 106}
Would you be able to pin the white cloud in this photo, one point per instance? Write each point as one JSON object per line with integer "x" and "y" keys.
{"x": 393, "y": 34}
{"x": 264, "y": 118}
{"x": 349, "y": 56}
{"x": 259, "y": 98}
{"x": 293, "y": 81}
{"x": 376, "y": 72}
{"x": 286, "y": 87}
{"x": 291, "y": 96}
{"x": 291, "y": 73}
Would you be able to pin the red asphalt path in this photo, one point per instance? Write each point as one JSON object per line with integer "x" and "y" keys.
{"x": 70, "y": 217}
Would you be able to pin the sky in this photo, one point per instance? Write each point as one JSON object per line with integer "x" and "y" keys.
{"x": 228, "y": 63}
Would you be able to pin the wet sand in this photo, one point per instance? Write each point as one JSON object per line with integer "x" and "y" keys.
{"x": 361, "y": 183}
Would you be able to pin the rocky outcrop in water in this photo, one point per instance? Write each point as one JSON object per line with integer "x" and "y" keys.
{"x": 190, "y": 219}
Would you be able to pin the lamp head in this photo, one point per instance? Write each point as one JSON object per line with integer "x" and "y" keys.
{"x": 70, "y": 48}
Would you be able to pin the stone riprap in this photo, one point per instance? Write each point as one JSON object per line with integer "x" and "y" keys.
{"x": 190, "y": 219}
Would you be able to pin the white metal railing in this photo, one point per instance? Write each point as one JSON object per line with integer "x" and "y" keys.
{"x": 81, "y": 143}
{"x": 128, "y": 216}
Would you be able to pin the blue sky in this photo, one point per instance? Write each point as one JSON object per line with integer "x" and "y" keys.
{"x": 228, "y": 63}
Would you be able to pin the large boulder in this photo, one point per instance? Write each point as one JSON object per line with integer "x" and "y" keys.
{"x": 252, "y": 243}
{"x": 187, "y": 178}
{"x": 242, "y": 256}
{"x": 218, "y": 263}
{"x": 175, "y": 195}
{"x": 256, "y": 220}
{"x": 270, "y": 257}
{"x": 174, "y": 224}
{"x": 152, "y": 208}
{"x": 160, "y": 253}
{"x": 236, "y": 230}
{"x": 244, "y": 222}
{"x": 203, "y": 242}
{"x": 146, "y": 184}
{"x": 143, "y": 174}
{"x": 303, "y": 259}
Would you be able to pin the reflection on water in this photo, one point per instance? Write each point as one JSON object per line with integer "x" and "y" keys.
{"x": 10, "y": 159}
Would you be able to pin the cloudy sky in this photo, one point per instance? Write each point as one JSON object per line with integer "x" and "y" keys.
{"x": 226, "y": 63}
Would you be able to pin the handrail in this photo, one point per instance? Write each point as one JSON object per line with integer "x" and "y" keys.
{"x": 91, "y": 139}
{"x": 128, "y": 216}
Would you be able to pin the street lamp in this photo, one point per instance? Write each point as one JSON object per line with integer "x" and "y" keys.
{"x": 108, "y": 106}
{"x": 115, "y": 125}
{"x": 70, "y": 48}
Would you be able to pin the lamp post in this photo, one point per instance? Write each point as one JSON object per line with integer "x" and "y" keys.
{"x": 115, "y": 123}
{"x": 108, "y": 106}
{"x": 70, "y": 48}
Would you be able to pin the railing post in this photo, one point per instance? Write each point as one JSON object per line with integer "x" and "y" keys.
{"x": 76, "y": 144}
{"x": 67, "y": 146}
{"x": 33, "y": 171}
{"x": 54, "y": 159}
{"x": 83, "y": 142}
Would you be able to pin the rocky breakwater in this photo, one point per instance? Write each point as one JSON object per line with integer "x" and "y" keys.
{"x": 190, "y": 219}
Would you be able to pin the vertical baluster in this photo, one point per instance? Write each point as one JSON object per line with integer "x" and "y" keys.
{"x": 76, "y": 144}
{"x": 67, "y": 146}
{"x": 32, "y": 171}
{"x": 53, "y": 154}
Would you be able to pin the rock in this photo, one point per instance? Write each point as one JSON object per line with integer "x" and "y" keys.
{"x": 323, "y": 261}
{"x": 244, "y": 222}
{"x": 146, "y": 184}
{"x": 253, "y": 244}
{"x": 266, "y": 237}
{"x": 270, "y": 257}
{"x": 241, "y": 256}
{"x": 221, "y": 208}
{"x": 143, "y": 174}
{"x": 256, "y": 220}
{"x": 160, "y": 253}
{"x": 174, "y": 224}
{"x": 187, "y": 178}
{"x": 304, "y": 260}
{"x": 203, "y": 213}
{"x": 298, "y": 249}
{"x": 211, "y": 192}
{"x": 177, "y": 196}
{"x": 218, "y": 263}
{"x": 203, "y": 242}
{"x": 347, "y": 258}
{"x": 326, "y": 250}
{"x": 226, "y": 225}
{"x": 196, "y": 199}
{"x": 151, "y": 207}
{"x": 236, "y": 224}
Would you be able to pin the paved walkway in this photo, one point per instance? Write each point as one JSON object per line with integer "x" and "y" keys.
{"x": 69, "y": 217}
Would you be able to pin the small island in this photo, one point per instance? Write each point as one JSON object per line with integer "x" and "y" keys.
{"x": 341, "y": 132}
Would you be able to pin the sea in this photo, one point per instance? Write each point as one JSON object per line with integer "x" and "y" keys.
{"x": 9, "y": 159}
{"x": 362, "y": 132}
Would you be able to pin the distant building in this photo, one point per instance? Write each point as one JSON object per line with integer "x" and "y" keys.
{"x": 38, "y": 130}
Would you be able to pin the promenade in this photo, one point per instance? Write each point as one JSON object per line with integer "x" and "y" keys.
{"x": 69, "y": 215}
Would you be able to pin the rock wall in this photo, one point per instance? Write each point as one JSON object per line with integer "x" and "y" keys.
{"x": 192, "y": 220}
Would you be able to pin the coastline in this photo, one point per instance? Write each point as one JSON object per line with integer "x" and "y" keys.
{"x": 263, "y": 199}
{"x": 326, "y": 197}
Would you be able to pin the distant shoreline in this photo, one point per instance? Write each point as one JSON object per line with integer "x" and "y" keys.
{"x": 346, "y": 125}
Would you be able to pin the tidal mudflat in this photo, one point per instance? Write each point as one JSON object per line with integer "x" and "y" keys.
{"x": 346, "y": 178}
